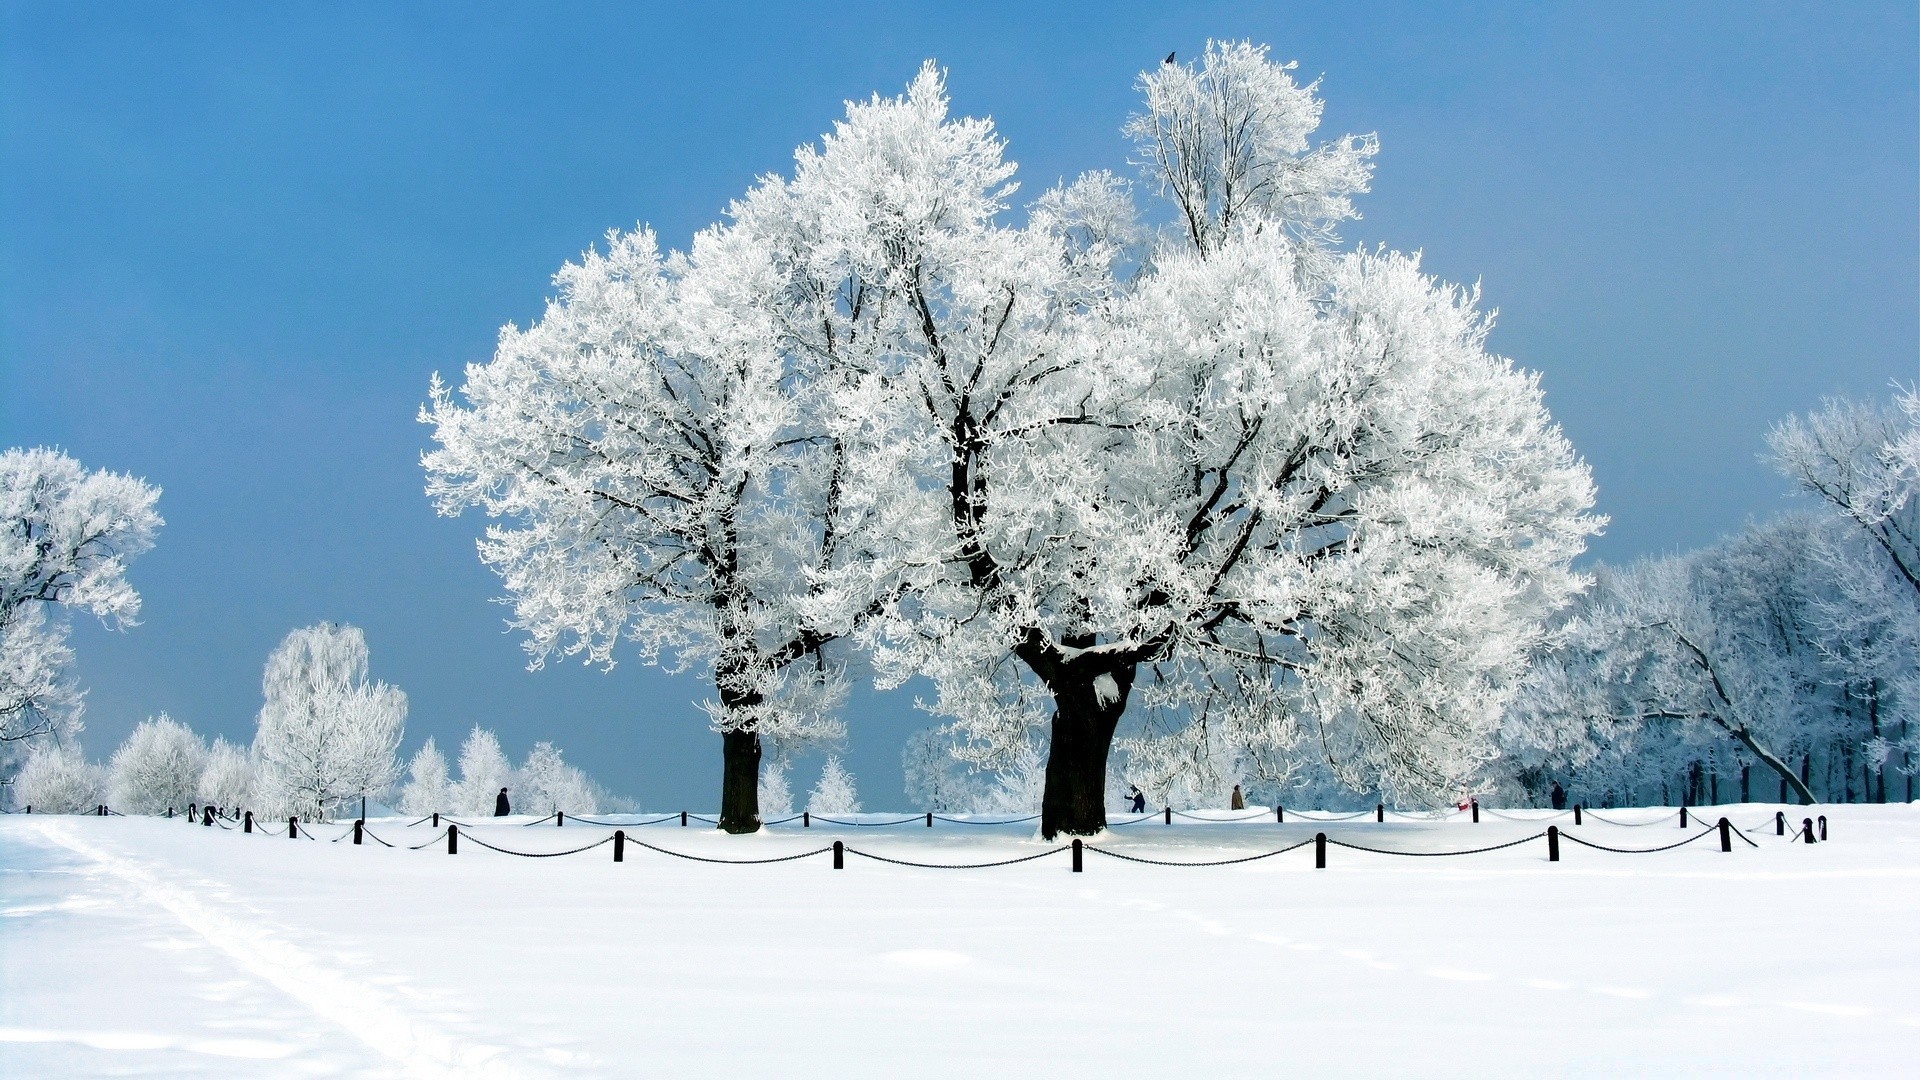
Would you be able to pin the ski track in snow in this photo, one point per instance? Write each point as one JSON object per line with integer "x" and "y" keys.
{"x": 377, "y": 1019}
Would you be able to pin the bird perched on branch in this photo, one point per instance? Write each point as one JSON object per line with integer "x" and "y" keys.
{"x": 1169, "y": 59}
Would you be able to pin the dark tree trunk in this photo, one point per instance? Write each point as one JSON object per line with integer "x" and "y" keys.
{"x": 740, "y": 781}
{"x": 1075, "y": 801}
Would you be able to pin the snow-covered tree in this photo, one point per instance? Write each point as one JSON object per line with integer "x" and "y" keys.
{"x": 776, "y": 798}
{"x": 227, "y": 778}
{"x": 484, "y": 770}
{"x": 672, "y": 477}
{"x": 58, "y": 779}
{"x": 157, "y": 767}
{"x": 834, "y": 792}
{"x": 428, "y": 790}
{"x": 546, "y": 783}
{"x": 66, "y": 536}
{"x": 937, "y": 778}
{"x": 1863, "y": 460}
{"x": 1277, "y": 489}
{"x": 326, "y": 734}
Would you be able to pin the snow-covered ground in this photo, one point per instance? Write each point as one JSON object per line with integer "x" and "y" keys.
{"x": 141, "y": 947}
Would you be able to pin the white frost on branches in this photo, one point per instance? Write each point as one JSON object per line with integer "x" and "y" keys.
{"x": 834, "y": 792}
{"x": 158, "y": 767}
{"x": 776, "y": 797}
{"x": 228, "y": 778}
{"x": 326, "y": 734}
{"x": 58, "y": 779}
{"x": 428, "y": 790}
{"x": 66, "y": 536}
{"x": 484, "y": 770}
{"x": 546, "y": 783}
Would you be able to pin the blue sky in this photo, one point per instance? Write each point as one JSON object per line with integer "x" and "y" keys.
{"x": 235, "y": 240}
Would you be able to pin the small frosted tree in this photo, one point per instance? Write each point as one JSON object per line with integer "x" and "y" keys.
{"x": 834, "y": 793}
{"x": 776, "y": 797}
{"x": 158, "y": 767}
{"x": 546, "y": 783}
{"x": 326, "y": 734}
{"x": 936, "y": 779}
{"x": 66, "y": 536}
{"x": 58, "y": 779}
{"x": 484, "y": 770}
{"x": 227, "y": 778}
{"x": 428, "y": 790}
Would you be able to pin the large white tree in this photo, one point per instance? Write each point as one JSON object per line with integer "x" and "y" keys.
{"x": 327, "y": 734}
{"x": 668, "y": 474}
{"x": 227, "y": 780}
{"x": 428, "y": 789}
{"x": 66, "y": 536}
{"x": 484, "y": 772}
{"x": 158, "y": 767}
{"x": 1277, "y": 493}
{"x": 58, "y": 779}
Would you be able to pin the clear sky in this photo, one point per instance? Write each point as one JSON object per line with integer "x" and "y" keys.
{"x": 235, "y": 241}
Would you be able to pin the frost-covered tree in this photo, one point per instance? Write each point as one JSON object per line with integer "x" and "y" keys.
{"x": 66, "y": 536}
{"x": 484, "y": 770}
{"x": 669, "y": 475}
{"x": 58, "y": 779}
{"x": 1279, "y": 494}
{"x": 428, "y": 790}
{"x": 834, "y": 792}
{"x": 546, "y": 783}
{"x": 776, "y": 797}
{"x": 326, "y": 734}
{"x": 936, "y": 777}
{"x": 157, "y": 767}
{"x": 227, "y": 778}
{"x": 1862, "y": 459}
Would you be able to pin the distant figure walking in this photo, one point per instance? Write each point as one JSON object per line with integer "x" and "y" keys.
{"x": 501, "y": 808}
{"x": 1239, "y": 800}
{"x": 1139, "y": 798}
{"x": 1558, "y": 795}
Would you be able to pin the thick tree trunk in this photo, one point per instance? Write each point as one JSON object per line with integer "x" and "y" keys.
{"x": 740, "y": 782}
{"x": 1075, "y": 800}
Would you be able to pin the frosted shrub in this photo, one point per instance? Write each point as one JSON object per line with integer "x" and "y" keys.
{"x": 484, "y": 770}
{"x": 546, "y": 784}
{"x": 428, "y": 790}
{"x": 776, "y": 798}
{"x": 59, "y": 780}
{"x": 834, "y": 794}
{"x": 227, "y": 778}
{"x": 157, "y": 767}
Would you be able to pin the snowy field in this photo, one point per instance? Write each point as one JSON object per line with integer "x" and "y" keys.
{"x": 142, "y": 947}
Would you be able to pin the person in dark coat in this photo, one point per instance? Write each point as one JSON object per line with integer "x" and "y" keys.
{"x": 1558, "y": 795}
{"x": 1239, "y": 800}
{"x": 501, "y": 808}
{"x": 1139, "y": 798}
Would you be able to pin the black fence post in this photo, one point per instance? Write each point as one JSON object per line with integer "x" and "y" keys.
{"x": 1726, "y": 835}
{"x": 1076, "y": 855}
{"x": 358, "y": 825}
{"x": 1320, "y": 851}
{"x": 1806, "y": 830}
{"x": 1169, "y": 815}
{"x": 247, "y": 825}
{"x": 293, "y": 828}
{"x": 1779, "y": 823}
{"x": 193, "y": 811}
{"x": 1553, "y": 843}
{"x": 453, "y": 839}
{"x": 1823, "y": 827}
{"x": 169, "y": 813}
{"x": 1576, "y": 813}
{"x": 683, "y": 819}
{"x": 1475, "y": 804}
{"x": 206, "y": 816}
{"x": 1683, "y": 817}
{"x": 1280, "y": 815}
{"x": 619, "y": 845}
{"x": 929, "y": 819}
{"x": 559, "y": 818}
{"x": 806, "y": 819}
{"x": 436, "y": 819}
{"x": 1379, "y": 811}
{"x": 839, "y": 855}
